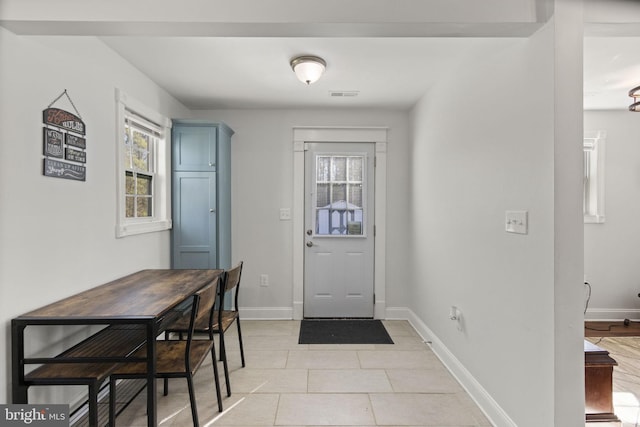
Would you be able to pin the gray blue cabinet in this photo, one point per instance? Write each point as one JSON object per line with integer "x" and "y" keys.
{"x": 201, "y": 195}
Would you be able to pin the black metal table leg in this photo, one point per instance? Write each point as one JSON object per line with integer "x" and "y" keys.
{"x": 152, "y": 409}
{"x": 19, "y": 390}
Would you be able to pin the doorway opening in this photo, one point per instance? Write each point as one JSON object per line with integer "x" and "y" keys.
{"x": 303, "y": 136}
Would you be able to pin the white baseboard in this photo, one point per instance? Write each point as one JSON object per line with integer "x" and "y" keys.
{"x": 266, "y": 313}
{"x": 397, "y": 313}
{"x": 496, "y": 415}
{"x": 612, "y": 314}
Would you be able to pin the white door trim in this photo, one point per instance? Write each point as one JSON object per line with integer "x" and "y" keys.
{"x": 377, "y": 135}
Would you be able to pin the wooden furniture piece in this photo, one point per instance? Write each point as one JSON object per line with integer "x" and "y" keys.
{"x": 201, "y": 199}
{"x": 221, "y": 319}
{"x": 176, "y": 358}
{"x": 143, "y": 300}
{"x": 598, "y": 377}
{"x": 226, "y": 317}
{"x": 122, "y": 339}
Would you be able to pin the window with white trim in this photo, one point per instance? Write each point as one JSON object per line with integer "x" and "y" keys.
{"x": 593, "y": 176}
{"x": 143, "y": 168}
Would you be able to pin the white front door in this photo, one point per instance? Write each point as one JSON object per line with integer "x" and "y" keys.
{"x": 339, "y": 239}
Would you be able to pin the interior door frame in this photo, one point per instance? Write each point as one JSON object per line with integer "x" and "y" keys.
{"x": 376, "y": 135}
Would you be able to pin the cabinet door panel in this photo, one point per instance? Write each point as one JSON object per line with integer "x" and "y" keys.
{"x": 194, "y": 148}
{"x": 194, "y": 230}
{"x": 199, "y": 260}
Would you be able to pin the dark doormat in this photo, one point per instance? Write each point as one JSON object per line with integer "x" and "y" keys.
{"x": 342, "y": 331}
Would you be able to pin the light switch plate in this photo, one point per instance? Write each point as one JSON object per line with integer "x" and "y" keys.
{"x": 516, "y": 222}
{"x": 285, "y": 214}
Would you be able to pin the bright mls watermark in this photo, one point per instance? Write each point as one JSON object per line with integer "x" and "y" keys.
{"x": 34, "y": 415}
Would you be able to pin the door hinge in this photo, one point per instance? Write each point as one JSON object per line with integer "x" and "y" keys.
{"x": 375, "y": 161}
{"x": 374, "y": 230}
{"x": 374, "y": 299}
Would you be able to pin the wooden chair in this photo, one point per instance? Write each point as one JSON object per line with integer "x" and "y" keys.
{"x": 222, "y": 319}
{"x": 176, "y": 358}
{"x": 225, "y": 318}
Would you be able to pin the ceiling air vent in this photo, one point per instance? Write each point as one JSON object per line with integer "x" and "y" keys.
{"x": 343, "y": 93}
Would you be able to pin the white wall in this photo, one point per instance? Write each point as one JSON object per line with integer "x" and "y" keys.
{"x": 57, "y": 237}
{"x": 262, "y": 175}
{"x": 611, "y": 249}
{"x": 483, "y": 142}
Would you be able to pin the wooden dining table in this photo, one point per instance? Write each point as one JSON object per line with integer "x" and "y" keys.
{"x": 143, "y": 298}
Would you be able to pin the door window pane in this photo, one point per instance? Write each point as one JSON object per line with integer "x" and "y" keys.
{"x": 339, "y": 195}
{"x": 323, "y": 194}
{"x": 322, "y": 169}
{"x": 355, "y": 169}
{"x": 339, "y": 169}
{"x": 355, "y": 195}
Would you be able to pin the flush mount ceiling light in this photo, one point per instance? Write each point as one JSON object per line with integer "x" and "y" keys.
{"x": 308, "y": 69}
{"x": 635, "y": 94}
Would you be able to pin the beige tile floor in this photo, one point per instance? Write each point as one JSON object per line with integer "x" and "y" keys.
{"x": 289, "y": 384}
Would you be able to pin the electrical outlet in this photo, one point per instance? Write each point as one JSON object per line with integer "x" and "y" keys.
{"x": 264, "y": 280}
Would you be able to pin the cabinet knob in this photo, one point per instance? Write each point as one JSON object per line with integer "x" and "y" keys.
{"x": 212, "y": 164}
{"x": 212, "y": 210}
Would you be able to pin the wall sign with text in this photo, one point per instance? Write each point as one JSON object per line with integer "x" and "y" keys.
{"x": 64, "y": 143}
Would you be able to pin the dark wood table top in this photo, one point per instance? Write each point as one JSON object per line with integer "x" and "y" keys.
{"x": 145, "y": 294}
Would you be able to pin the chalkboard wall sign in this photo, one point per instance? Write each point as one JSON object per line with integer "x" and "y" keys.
{"x": 66, "y": 170}
{"x": 76, "y": 141}
{"x": 63, "y": 119}
{"x": 53, "y": 142}
{"x": 75, "y": 155}
{"x": 63, "y": 136}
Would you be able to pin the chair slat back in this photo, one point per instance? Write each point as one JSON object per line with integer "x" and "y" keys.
{"x": 203, "y": 301}
{"x": 232, "y": 277}
{"x": 208, "y": 296}
{"x": 231, "y": 281}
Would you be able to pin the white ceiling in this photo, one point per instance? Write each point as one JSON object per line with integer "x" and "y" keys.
{"x": 240, "y": 72}
{"x": 213, "y": 54}
{"x": 219, "y": 54}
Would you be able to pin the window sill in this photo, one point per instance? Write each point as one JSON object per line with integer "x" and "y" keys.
{"x": 134, "y": 228}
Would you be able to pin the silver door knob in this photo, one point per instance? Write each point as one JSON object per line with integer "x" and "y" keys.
{"x": 309, "y": 244}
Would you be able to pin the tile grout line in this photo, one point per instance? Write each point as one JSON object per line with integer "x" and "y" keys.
{"x": 275, "y": 416}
